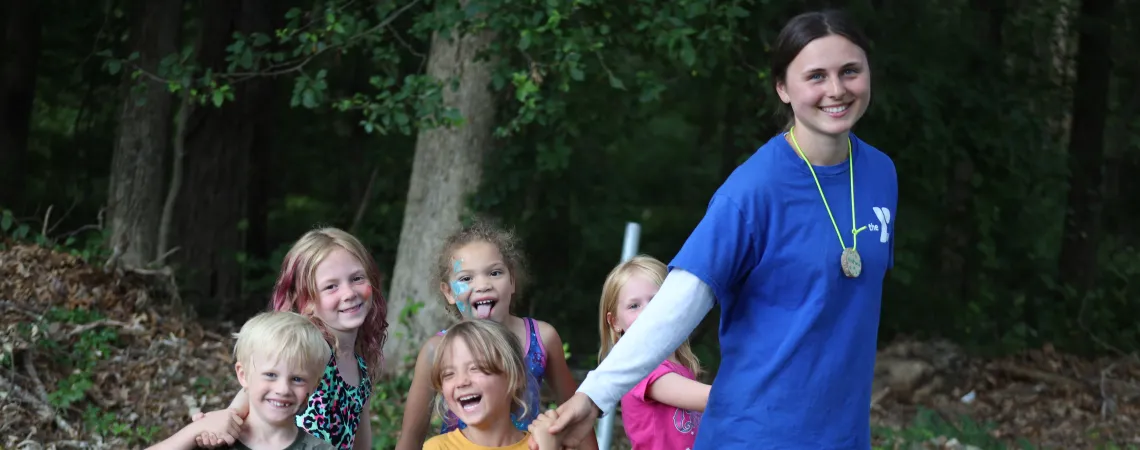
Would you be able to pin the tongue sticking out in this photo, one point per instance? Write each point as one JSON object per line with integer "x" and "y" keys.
{"x": 483, "y": 310}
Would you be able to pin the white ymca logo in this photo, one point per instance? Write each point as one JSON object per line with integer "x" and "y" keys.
{"x": 884, "y": 216}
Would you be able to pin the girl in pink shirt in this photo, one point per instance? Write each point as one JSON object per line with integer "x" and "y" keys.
{"x": 663, "y": 411}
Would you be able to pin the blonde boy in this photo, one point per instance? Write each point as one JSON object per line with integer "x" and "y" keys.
{"x": 280, "y": 357}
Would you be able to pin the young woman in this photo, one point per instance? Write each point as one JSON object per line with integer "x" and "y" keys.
{"x": 795, "y": 246}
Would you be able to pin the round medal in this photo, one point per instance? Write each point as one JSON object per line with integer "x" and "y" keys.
{"x": 851, "y": 262}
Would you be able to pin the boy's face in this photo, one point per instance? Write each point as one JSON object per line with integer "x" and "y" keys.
{"x": 276, "y": 389}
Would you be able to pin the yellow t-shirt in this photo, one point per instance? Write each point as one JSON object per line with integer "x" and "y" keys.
{"x": 455, "y": 440}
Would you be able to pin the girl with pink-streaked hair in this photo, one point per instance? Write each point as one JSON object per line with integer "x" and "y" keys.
{"x": 330, "y": 277}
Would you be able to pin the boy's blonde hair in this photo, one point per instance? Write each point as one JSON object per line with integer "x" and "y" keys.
{"x": 283, "y": 335}
{"x": 655, "y": 271}
{"x": 495, "y": 349}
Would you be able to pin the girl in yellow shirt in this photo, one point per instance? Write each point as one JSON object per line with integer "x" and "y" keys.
{"x": 480, "y": 376}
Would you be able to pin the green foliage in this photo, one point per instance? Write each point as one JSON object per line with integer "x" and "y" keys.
{"x": 87, "y": 244}
{"x": 388, "y": 399}
{"x": 80, "y": 355}
{"x": 929, "y": 427}
{"x": 614, "y": 112}
{"x": 396, "y": 102}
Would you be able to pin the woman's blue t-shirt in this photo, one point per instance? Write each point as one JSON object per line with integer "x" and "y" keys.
{"x": 797, "y": 337}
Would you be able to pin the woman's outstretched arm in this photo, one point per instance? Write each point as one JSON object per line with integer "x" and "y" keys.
{"x": 666, "y": 323}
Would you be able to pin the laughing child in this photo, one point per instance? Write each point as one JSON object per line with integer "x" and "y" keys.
{"x": 481, "y": 377}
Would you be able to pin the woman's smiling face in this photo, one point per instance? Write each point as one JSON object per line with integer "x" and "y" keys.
{"x": 828, "y": 85}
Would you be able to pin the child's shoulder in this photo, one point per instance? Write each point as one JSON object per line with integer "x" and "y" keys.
{"x": 443, "y": 441}
{"x": 545, "y": 330}
{"x": 310, "y": 442}
{"x": 431, "y": 343}
{"x": 304, "y": 441}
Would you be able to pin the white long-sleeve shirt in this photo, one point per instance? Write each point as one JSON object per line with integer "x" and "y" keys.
{"x": 666, "y": 322}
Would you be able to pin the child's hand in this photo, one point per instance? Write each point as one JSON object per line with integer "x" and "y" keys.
{"x": 540, "y": 432}
{"x": 218, "y": 428}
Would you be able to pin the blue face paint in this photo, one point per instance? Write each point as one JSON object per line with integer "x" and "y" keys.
{"x": 458, "y": 288}
{"x": 457, "y": 266}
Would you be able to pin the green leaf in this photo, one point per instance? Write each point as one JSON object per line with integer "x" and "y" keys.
{"x": 616, "y": 83}
{"x": 576, "y": 74}
{"x": 308, "y": 98}
{"x": 688, "y": 54}
{"x": 21, "y": 232}
{"x": 6, "y": 221}
{"x": 246, "y": 60}
{"x": 113, "y": 66}
{"x": 218, "y": 98}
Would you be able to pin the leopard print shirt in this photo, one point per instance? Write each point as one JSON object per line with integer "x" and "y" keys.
{"x": 335, "y": 408}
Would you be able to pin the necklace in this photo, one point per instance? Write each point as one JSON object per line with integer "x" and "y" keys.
{"x": 849, "y": 260}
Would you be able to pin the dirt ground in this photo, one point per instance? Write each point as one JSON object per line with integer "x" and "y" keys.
{"x": 135, "y": 372}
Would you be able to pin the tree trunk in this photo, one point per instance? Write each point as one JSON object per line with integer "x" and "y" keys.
{"x": 218, "y": 148}
{"x": 21, "y": 51}
{"x": 958, "y": 257}
{"x": 134, "y": 204}
{"x": 1061, "y": 70}
{"x": 1081, "y": 239}
{"x": 447, "y": 168}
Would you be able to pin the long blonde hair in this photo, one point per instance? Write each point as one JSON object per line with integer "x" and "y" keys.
{"x": 496, "y": 351}
{"x": 655, "y": 271}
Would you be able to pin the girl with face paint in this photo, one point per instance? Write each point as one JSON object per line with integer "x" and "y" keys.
{"x": 479, "y": 272}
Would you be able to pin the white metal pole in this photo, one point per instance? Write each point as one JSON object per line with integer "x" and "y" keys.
{"x": 628, "y": 251}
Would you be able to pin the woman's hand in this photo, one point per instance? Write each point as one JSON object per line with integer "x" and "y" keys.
{"x": 575, "y": 421}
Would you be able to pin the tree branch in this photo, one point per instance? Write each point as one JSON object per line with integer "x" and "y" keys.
{"x": 167, "y": 219}
{"x": 292, "y": 66}
{"x": 364, "y": 199}
{"x": 43, "y": 408}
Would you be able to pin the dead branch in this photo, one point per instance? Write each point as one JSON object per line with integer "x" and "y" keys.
{"x": 879, "y": 396}
{"x": 10, "y": 305}
{"x": 132, "y": 328}
{"x": 114, "y": 258}
{"x": 66, "y": 214}
{"x": 76, "y": 231}
{"x": 1095, "y": 338}
{"x": 365, "y": 198}
{"x": 164, "y": 272}
{"x": 167, "y": 218}
{"x": 163, "y": 256}
{"x": 1037, "y": 375}
{"x": 44, "y": 409}
{"x": 30, "y": 368}
{"x": 47, "y": 220}
{"x": 1107, "y": 403}
{"x": 77, "y": 444}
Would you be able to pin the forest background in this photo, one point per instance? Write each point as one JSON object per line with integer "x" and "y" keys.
{"x": 200, "y": 138}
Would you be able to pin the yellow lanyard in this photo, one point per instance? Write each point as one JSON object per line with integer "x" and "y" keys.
{"x": 851, "y": 174}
